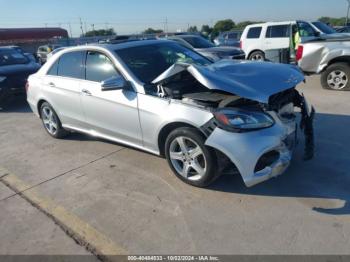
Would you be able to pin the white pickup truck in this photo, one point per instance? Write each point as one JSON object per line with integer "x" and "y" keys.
{"x": 329, "y": 56}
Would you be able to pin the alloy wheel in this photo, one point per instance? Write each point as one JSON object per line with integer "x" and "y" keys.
{"x": 188, "y": 158}
{"x": 337, "y": 80}
{"x": 49, "y": 120}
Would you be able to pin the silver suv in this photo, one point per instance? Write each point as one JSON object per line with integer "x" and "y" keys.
{"x": 166, "y": 99}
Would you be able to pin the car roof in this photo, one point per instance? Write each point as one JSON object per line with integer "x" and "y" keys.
{"x": 117, "y": 46}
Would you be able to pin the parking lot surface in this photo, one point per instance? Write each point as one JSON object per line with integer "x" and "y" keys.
{"x": 132, "y": 198}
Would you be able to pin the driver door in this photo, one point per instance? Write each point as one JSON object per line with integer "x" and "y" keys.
{"x": 113, "y": 113}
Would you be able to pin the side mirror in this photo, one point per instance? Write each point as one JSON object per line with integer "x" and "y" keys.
{"x": 115, "y": 83}
{"x": 317, "y": 34}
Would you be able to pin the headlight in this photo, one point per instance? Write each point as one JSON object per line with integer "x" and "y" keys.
{"x": 2, "y": 78}
{"x": 237, "y": 120}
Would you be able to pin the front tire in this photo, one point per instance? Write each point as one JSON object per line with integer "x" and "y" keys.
{"x": 189, "y": 158}
{"x": 51, "y": 122}
{"x": 336, "y": 77}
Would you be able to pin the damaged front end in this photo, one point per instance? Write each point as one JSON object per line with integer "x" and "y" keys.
{"x": 254, "y": 123}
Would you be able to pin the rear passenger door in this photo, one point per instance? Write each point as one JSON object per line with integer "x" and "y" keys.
{"x": 62, "y": 87}
{"x": 277, "y": 36}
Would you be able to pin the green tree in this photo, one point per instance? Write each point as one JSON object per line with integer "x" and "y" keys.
{"x": 152, "y": 31}
{"x": 206, "y": 30}
{"x": 224, "y": 25}
{"x": 192, "y": 29}
{"x": 100, "y": 32}
{"x": 333, "y": 21}
{"x": 242, "y": 25}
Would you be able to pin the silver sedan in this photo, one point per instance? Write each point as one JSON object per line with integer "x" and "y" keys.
{"x": 166, "y": 99}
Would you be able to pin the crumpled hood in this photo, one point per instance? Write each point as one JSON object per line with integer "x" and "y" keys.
{"x": 252, "y": 80}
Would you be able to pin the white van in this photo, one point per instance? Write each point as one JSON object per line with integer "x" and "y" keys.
{"x": 258, "y": 38}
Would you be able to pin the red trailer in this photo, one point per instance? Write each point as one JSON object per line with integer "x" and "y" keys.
{"x": 31, "y": 34}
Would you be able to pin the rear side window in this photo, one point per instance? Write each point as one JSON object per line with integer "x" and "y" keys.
{"x": 99, "y": 67}
{"x": 70, "y": 65}
{"x": 278, "y": 31}
{"x": 54, "y": 69}
{"x": 254, "y": 32}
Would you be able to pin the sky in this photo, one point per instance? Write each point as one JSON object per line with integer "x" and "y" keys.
{"x": 134, "y": 16}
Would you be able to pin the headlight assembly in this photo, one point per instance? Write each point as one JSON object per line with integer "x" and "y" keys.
{"x": 237, "y": 120}
{"x": 2, "y": 78}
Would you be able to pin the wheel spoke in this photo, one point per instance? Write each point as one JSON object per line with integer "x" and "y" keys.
{"x": 54, "y": 125}
{"x": 196, "y": 152}
{"x": 181, "y": 142}
{"x": 176, "y": 156}
{"x": 46, "y": 114}
{"x": 186, "y": 170}
{"x": 197, "y": 167}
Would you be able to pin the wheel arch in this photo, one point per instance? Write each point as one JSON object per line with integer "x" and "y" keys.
{"x": 167, "y": 129}
{"x": 339, "y": 59}
{"x": 255, "y": 50}
{"x": 39, "y": 104}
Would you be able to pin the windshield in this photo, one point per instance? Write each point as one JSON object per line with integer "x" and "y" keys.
{"x": 12, "y": 57}
{"x": 324, "y": 28}
{"x": 149, "y": 61}
{"x": 198, "y": 42}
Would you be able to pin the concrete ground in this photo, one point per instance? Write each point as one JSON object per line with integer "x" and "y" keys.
{"x": 133, "y": 199}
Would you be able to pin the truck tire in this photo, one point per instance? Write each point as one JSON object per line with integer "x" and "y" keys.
{"x": 257, "y": 56}
{"x": 336, "y": 77}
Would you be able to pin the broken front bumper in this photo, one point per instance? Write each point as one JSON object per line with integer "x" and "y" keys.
{"x": 258, "y": 155}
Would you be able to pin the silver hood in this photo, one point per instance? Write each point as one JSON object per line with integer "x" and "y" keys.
{"x": 252, "y": 80}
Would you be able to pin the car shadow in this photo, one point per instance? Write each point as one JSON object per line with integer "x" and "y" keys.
{"x": 323, "y": 183}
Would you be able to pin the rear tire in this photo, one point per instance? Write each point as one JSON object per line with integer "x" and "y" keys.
{"x": 189, "y": 158}
{"x": 336, "y": 77}
{"x": 257, "y": 56}
{"x": 51, "y": 122}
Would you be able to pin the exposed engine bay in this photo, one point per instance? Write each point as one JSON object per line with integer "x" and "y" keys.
{"x": 186, "y": 88}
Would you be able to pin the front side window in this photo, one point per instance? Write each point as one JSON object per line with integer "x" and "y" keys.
{"x": 278, "y": 31}
{"x": 54, "y": 69}
{"x": 99, "y": 67}
{"x": 147, "y": 62}
{"x": 70, "y": 65}
{"x": 254, "y": 32}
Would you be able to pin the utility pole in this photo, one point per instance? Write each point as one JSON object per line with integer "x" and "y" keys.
{"x": 81, "y": 27}
{"x": 166, "y": 25}
{"x": 70, "y": 30}
{"x": 347, "y": 14}
{"x": 93, "y": 28}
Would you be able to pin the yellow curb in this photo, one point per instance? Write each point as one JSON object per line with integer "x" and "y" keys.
{"x": 78, "y": 229}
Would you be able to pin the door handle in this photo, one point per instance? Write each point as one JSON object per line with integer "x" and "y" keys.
{"x": 51, "y": 84}
{"x": 86, "y": 92}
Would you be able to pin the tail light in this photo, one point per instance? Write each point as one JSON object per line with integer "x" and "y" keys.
{"x": 299, "y": 54}
{"x": 240, "y": 44}
{"x": 27, "y": 86}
